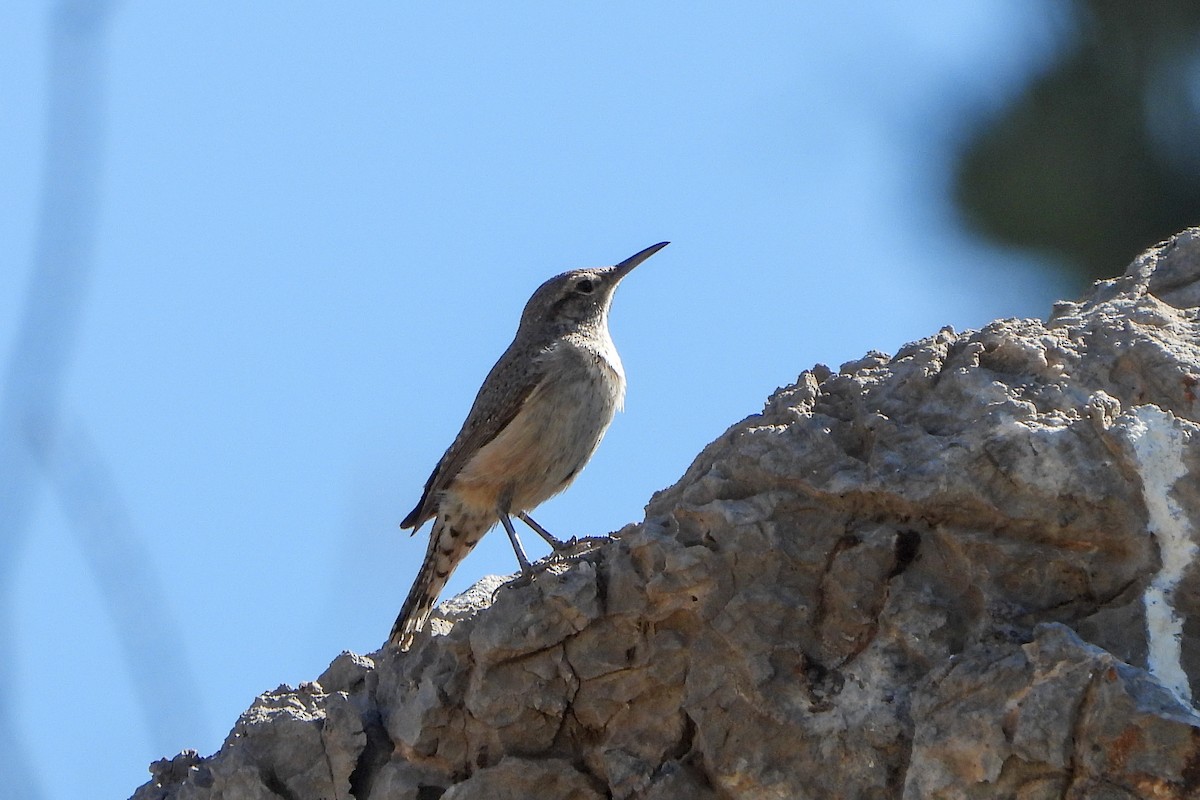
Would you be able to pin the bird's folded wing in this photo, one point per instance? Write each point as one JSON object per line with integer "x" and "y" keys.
{"x": 502, "y": 395}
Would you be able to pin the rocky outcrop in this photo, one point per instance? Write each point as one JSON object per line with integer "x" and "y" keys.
{"x": 967, "y": 570}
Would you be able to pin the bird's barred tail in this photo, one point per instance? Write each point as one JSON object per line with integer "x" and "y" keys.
{"x": 448, "y": 545}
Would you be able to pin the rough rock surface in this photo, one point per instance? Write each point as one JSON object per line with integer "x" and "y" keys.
{"x": 967, "y": 570}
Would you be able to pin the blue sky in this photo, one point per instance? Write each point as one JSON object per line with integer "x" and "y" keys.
{"x": 317, "y": 228}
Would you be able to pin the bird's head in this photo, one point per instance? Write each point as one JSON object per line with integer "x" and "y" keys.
{"x": 579, "y": 298}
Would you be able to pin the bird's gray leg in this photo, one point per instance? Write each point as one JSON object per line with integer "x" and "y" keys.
{"x": 553, "y": 541}
{"x": 526, "y": 569}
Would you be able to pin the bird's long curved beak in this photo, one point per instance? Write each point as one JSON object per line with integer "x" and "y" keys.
{"x": 626, "y": 266}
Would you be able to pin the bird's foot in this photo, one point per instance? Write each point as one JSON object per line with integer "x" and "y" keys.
{"x": 576, "y": 547}
{"x": 560, "y": 545}
{"x": 524, "y": 579}
{"x": 557, "y": 562}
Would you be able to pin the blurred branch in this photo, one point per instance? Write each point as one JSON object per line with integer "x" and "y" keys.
{"x": 154, "y": 650}
{"x": 45, "y": 338}
{"x": 1097, "y": 160}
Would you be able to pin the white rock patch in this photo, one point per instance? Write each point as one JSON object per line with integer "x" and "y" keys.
{"x": 1158, "y": 443}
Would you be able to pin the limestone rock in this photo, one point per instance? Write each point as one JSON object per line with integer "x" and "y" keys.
{"x": 967, "y": 570}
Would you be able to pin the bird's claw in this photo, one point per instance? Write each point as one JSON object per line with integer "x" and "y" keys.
{"x": 572, "y": 549}
{"x": 564, "y": 544}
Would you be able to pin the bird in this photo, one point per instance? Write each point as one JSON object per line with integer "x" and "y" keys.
{"x": 536, "y": 421}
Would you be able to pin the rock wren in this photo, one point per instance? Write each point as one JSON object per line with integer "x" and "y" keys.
{"x": 536, "y": 421}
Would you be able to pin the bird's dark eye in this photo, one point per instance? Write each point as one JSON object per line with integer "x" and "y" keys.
{"x": 585, "y": 286}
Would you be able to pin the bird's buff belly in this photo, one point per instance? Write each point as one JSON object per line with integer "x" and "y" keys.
{"x": 539, "y": 453}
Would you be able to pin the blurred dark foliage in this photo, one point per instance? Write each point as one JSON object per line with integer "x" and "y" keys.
{"x": 1099, "y": 158}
